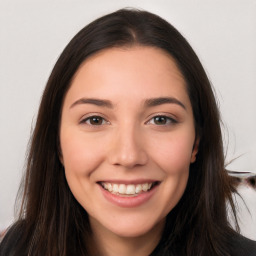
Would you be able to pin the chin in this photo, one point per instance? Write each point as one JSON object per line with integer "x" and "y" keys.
{"x": 135, "y": 228}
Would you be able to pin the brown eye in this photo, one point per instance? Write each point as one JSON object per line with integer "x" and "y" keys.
{"x": 162, "y": 120}
{"x": 94, "y": 120}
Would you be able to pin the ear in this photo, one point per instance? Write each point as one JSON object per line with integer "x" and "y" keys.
{"x": 195, "y": 150}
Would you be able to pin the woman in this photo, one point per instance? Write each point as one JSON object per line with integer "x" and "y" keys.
{"x": 126, "y": 157}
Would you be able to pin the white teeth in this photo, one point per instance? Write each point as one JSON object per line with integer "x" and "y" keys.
{"x": 145, "y": 187}
{"x": 138, "y": 189}
{"x": 109, "y": 187}
{"x": 122, "y": 189}
{"x": 115, "y": 188}
{"x": 130, "y": 189}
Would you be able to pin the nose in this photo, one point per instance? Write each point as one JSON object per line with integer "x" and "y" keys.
{"x": 127, "y": 148}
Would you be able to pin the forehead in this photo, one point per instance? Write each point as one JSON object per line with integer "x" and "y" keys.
{"x": 141, "y": 58}
{"x": 136, "y": 72}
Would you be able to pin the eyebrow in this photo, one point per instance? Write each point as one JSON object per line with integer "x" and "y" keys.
{"x": 148, "y": 102}
{"x": 97, "y": 102}
{"x": 163, "y": 100}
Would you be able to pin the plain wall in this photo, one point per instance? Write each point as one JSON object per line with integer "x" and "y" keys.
{"x": 33, "y": 34}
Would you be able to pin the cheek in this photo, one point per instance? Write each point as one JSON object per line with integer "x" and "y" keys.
{"x": 80, "y": 155}
{"x": 80, "y": 158}
{"x": 173, "y": 153}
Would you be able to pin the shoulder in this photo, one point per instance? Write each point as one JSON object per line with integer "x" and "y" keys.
{"x": 12, "y": 238}
{"x": 242, "y": 246}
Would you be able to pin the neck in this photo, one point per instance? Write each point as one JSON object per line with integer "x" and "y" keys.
{"x": 110, "y": 244}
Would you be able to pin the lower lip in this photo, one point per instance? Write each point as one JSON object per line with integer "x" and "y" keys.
{"x": 128, "y": 202}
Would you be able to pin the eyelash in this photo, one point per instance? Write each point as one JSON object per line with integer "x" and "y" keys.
{"x": 168, "y": 120}
{"x": 90, "y": 118}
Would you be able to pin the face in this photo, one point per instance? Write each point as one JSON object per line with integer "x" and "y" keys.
{"x": 127, "y": 139}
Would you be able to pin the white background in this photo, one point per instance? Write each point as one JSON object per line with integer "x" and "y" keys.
{"x": 33, "y": 34}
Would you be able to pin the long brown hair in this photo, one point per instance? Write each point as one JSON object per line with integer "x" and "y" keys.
{"x": 51, "y": 220}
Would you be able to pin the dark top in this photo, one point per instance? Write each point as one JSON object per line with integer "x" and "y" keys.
{"x": 240, "y": 246}
{"x": 243, "y": 246}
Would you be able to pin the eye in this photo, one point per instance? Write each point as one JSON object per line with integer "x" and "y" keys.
{"x": 162, "y": 120}
{"x": 94, "y": 120}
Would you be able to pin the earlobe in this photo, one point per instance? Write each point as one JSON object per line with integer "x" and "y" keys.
{"x": 195, "y": 150}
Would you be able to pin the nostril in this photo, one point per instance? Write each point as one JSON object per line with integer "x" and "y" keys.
{"x": 128, "y": 157}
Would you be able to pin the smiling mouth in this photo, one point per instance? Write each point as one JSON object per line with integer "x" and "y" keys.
{"x": 128, "y": 190}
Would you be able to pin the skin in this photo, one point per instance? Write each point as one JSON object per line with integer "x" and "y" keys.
{"x": 128, "y": 143}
